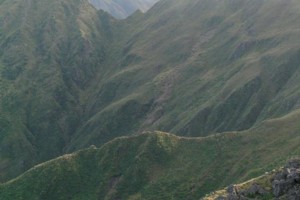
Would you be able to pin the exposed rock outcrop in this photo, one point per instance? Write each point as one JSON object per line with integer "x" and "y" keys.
{"x": 287, "y": 182}
{"x": 283, "y": 184}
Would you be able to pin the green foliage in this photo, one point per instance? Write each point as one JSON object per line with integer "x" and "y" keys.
{"x": 160, "y": 165}
{"x": 72, "y": 76}
{"x": 42, "y": 71}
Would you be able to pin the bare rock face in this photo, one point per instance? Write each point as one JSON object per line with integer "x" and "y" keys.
{"x": 234, "y": 193}
{"x": 287, "y": 182}
{"x": 254, "y": 190}
{"x": 285, "y": 186}
{"x": 294, "y": 163}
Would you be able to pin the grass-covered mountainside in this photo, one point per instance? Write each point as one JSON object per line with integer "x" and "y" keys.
{"x": 160, "y": 165}
{"x": 49, "y": 51}
{"x": 72, "y": 76}
{"x": 196, "y": 67}
{"x": 121, "y": 9}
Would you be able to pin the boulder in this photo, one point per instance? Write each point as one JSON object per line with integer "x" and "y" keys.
{"x": 293, "y": 193}
{"x": 255, "y": 189}
{"x": 294, "y": 175}
{"x": 293, "y": 163}
{"x": 231, "y": 190}
{"x": 280, "y": 187}
{"x": 287, "y": 181}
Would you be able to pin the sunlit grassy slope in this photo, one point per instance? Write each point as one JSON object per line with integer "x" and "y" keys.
{"x": 160, "y": 166}
{"x": 196, "y": 67}
{"x": 72, "y": 76}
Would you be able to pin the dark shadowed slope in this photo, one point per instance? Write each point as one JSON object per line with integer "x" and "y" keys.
{"x": 49, "y": 51}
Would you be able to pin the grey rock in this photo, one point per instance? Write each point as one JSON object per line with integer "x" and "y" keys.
{"x": 233, "y": 197}
{"x": 281, "y": 175}
{"x": 255, "y": 189}
{"x": 293, "y": 163}
{"x": 280, "y": 187}
{"x": 293, "y": 193}
{"x": 231, "y": 189}
{"x": 287, "y": 182}
{"x": 285, "y": 186}
{"x": 294, "y": 175}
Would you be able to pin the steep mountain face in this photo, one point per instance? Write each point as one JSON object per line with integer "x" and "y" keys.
{"x": 217, "y": 66}
{"x": 160, "y": 166}
{"x": 49, "y": 50}
{"x": 121, "y": 9}
{"x": 72, "y": 76}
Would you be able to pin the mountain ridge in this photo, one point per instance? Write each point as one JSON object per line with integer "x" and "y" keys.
{"x": 160, "y": 165}
{"x": 72, "y": 76}
{"x": 204, "y": 118}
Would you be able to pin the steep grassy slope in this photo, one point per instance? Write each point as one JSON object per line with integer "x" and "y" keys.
{"x": 49, "y": 50}
{"x": 72, "y": 77}
{"x": 121, "y": 9}
{"x": 195, "y": 67}
{"x": 160, "y": 166}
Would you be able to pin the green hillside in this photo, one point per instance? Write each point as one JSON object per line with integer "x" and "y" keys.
{"x": 72, "y": 76}
{"x": 209, "y": 70}
{"x": 49, "y": 51}
{"x": 160, "y": 166}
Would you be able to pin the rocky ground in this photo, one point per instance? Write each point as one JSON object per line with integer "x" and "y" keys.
{"x": 283, "y": 184}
